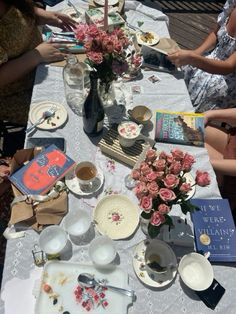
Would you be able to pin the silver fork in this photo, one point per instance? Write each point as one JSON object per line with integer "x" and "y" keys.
{"x": 45, "y": 115}
{"x": 70, "y": 4}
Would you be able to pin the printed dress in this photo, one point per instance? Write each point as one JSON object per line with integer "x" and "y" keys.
{"x": 213, "y": 91}
{"x": 18, "y": 35}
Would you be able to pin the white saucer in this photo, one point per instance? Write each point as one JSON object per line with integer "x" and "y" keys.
{"x": 74, "y": 186}
{"x": 152, "y": 42}
{"x": 190, "y": 179}
{"x": 139, "y": 262}
{"x": 51, "y": 123}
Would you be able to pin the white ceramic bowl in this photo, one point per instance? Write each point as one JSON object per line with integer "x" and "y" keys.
{"x": 102, "y": 251}
{"x": 196, "y": 271}
{"x": 52, "y": 239}
{"x": 77, "y": 222}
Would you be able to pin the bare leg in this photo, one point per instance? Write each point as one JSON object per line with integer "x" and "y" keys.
{"x": 215, "y": 142}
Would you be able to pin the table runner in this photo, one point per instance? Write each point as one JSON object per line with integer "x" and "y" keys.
{"x": 170, "y": 93}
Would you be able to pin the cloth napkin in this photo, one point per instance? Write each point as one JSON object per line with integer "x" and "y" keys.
{"x": 17, "y": 294}
{"x": 155, "y": 14}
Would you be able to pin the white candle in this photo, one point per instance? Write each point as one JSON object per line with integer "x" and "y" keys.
{"x": 106, "y": 15}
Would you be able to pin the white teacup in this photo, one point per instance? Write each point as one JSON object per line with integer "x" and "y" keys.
{"x": 196, "y": 271}
{"x": 102, "y": 251}
{"x": 159, "y": 261}
{"x": 52, "y": 240}
{"x": 129, "y": 132}
{"x": 77, "y": 222}
{"x": 86, "y": 173}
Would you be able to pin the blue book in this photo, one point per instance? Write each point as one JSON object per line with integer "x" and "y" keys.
{"x": 42, "y": 172}
{"x": 214, "y": 229}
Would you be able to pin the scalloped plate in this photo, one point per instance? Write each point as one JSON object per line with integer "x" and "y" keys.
{"x": 116, "y": 216}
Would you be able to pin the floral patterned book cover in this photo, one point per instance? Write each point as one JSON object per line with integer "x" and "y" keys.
{"x": 214, "y": 229}
{"x": 185, "y": 128}
{"x": 42, "y": 172}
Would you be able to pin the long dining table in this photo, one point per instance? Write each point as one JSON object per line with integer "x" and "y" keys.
{"x": 170, "y": 93}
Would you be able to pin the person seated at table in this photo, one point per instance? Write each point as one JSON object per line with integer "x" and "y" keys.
{"x": 220, "y": 141}
{"x": 21, "y": 51}
{"x": 210, "y": 70}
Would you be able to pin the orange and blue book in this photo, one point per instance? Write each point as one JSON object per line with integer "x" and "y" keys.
{"x": 41, "y": 173}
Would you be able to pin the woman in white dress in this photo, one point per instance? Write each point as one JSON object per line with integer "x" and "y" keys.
{"x": 210, "y": 70}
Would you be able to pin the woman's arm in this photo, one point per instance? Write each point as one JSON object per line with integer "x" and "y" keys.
{"x": 222, "y": 115}
{"x": 54, "y": 19}
{"x": 222, "y": 67}
{"x": 15, "y": 69}
{"x": 225, "y": 166}
{"x": 209, "y": 43}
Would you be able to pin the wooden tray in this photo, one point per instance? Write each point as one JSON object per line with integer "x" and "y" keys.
{"x": 128, "y": 155}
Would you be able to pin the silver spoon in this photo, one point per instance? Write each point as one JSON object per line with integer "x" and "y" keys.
{"x": 46, "y": 114}
{"x": 70, "y": 4}
{"x": 87, "y": 280}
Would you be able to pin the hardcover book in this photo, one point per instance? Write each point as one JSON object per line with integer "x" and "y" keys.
{"x": 185, "y": 128}
{"x": 214, "y": 229}
{"x": 42, "y": 172}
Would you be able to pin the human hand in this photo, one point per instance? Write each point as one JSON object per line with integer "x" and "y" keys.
{"x": 181, "y": 57}
{"x": 207, "y": 117}
{"x": 48, "y": 52}
{"x": 60, "y": 20}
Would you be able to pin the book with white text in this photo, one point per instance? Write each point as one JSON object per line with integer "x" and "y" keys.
{"x": 214, "y": 229}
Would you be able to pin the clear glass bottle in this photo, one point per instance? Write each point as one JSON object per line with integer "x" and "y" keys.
{"x": 93, "y": 111}
{"x": 73, "y": 76}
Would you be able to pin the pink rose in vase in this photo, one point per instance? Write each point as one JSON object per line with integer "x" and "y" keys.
{"x": 171, "y": 181}
{"x": 146, "y": 203}
{"x": 166, "y": 195}
{"x": 157, "y": 219}
{"x": 202, "y": 178}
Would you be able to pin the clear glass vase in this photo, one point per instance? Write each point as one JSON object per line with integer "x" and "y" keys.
{"x": 106, "y": 93}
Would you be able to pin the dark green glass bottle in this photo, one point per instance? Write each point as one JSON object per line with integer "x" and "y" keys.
{"x": 93, "y": 111}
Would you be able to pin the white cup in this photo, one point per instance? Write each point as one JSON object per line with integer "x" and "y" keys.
{"x": 102, "y": 250}
{"x": 86, "y": 173}
{"x": 129, "y": 132}
{"x": 77, "y": 222}
{"x": 196, "y": 271}
{"x": 52, "y": 240}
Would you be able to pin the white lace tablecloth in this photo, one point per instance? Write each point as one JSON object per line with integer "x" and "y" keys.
{"x": 170, "y": 93}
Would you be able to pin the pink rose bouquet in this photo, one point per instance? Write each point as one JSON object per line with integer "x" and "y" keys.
{"x": 161, "y": 183}
{"x": 106, "y": 51}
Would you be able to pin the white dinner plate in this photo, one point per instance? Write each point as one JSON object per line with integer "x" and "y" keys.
{"x": 149, "y": 40}
{"x": 116, "y": 216}
{"x": 74, "y": 186}
{"x": 102, "y": 2}
{"x": 139, "y": 262}
{"x": 54, "y": 122}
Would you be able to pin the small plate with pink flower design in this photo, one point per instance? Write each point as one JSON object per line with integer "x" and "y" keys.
{"x": 116, "y": 216}
{"x": 60, "y": 291}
